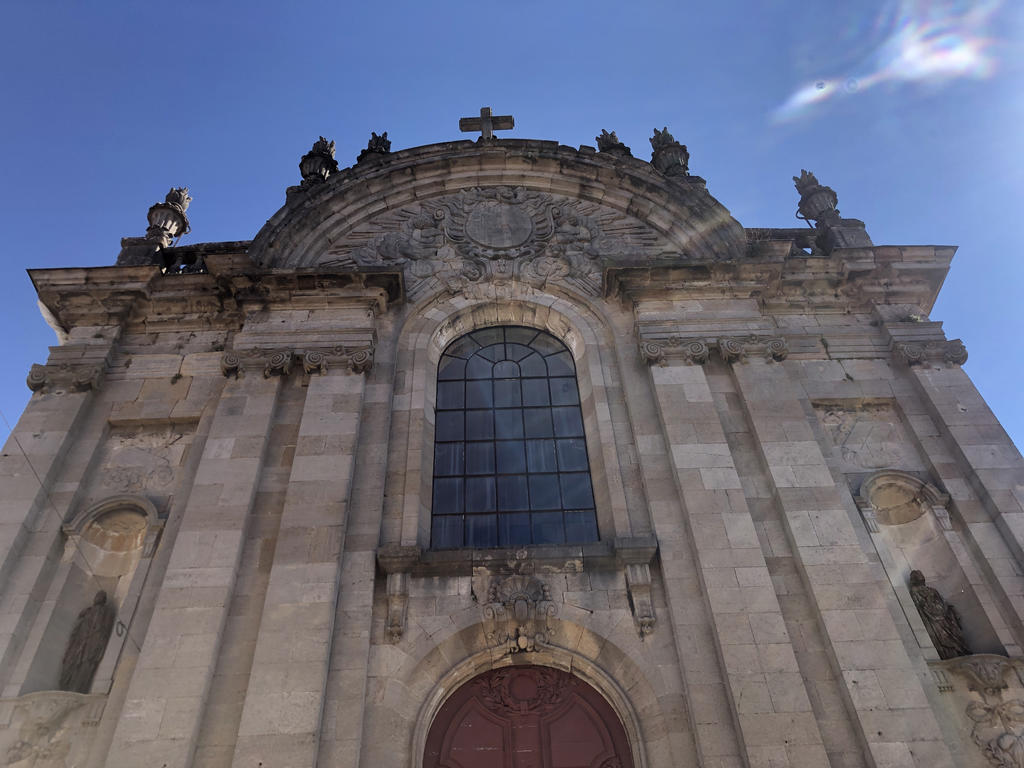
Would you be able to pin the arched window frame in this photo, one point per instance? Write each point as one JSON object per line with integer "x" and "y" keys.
{"x": 407, "y": 514}
{"x": 511, "y": 465}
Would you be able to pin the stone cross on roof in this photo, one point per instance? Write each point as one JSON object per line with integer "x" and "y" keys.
{"x": 487, "y": 123}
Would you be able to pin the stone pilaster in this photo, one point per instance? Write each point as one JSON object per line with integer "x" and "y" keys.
{"x": 769, "y": 701}
{"x": 284, "y": 704}
{"x": 166, "y": 698}
{"x": 850, "y": 593}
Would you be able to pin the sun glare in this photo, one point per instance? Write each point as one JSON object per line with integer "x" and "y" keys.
{"x": 924, "y": 42}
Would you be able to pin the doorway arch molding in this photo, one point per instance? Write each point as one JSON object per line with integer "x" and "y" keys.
{"x": 553, "y": 656}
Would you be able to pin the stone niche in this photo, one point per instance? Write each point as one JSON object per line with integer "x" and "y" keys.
{"x": 109, "y": 547}
{"x": 911, "y": 530}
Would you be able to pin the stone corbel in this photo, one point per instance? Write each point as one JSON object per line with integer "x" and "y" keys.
{"x": 635, "y": 556}
{"x": 64, "y": 377}
{"x": 397, "y": 562}
{"x": 921, "y": 353}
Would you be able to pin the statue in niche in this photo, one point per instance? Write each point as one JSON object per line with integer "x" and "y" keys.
{"x": 939, "y": 617}
{"x": 87, "y": 644}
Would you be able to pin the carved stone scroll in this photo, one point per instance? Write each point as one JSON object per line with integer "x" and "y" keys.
{"x": 397, "y": 562}
{"x": 635, "y": 556}
{"x": 698, "y": 351}
{"x": 950, "y": 352}
{"x": 64, "y": 377}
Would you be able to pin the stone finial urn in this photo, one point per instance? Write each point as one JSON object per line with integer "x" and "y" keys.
{"x": 668, "y": 155}
{"x": 319, "y": 163}
{"x": 817, "y": 202}
{"x": 167, "y": 220}
{"x": 377, "y": 146}
{"x": 609, "y": 142}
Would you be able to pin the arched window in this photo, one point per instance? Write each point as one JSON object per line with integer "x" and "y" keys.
{"x": 510, "y": 456}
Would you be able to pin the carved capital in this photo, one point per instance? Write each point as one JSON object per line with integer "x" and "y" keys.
{"x": 920, "y": 353}
{"x": 689, "y": 351}
{"x": 278, "y": 364}
{"x": 64, "y": 377}
{"x": 314, "y": 362}
{"x": 737, "y": 349}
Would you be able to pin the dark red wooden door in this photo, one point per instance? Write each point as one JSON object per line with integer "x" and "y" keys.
{"x": 526, "y": 717}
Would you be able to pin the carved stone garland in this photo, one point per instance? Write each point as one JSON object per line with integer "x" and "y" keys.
{"x": 998, "y": 725}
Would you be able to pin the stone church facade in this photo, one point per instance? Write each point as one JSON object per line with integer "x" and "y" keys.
{"x": 508, "y": 453}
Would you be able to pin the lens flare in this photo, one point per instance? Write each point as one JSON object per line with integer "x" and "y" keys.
{"x": 923, "y": 42}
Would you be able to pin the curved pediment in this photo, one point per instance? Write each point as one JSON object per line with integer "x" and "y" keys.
{"x": 462, "y": 213}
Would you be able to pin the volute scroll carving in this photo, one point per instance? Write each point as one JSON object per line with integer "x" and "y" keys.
{"x": 280, "y": 363}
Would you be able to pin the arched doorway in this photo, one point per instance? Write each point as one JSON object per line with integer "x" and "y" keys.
{"x": 526, "y": 717}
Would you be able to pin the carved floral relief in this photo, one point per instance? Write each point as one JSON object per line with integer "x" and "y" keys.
{"x": 497, "y": 234}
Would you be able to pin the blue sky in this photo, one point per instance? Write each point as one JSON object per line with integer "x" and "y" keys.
{"x": 911, "y": 111}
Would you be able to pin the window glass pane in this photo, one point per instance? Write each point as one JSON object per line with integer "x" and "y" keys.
{"x": 478, "y": 393}
{"x": 561, "y": 365}
{"x": 564, "y": 392}
{"x": 478, "y": 368}
{"x": 512, "y": 493}
{"x": 487, "y": 336}
{"x": 537, "y": 422}
{"x": 449, "y": 394}
{"x": 535, "y": 392}
{"x": 479, "y": 425}
{"x": 494, "y": 353}
{"x": 479, "y": 494}
{"x": 446, "y": 531}
{"x": 547, "y": 528}
{"x": 520, "y": 335}
{"x": 545, "y": 343}
{"x": 580, "y": 526}
{"x": 544, "y": 492}
{"x": 540, "y": 455}
{"x": 533, "y": 365}
{"x": 447, "y": 496}
{"x": 506, "y": 369}
{"x": 479, "y": 458}
{"x": 506, "y": 393}
{"x": 448, "y": 458}
{"x": 517, "y": 352}
{"x": 511, "y": 457}
{"x": 451, "y": 368}
{"x": 508, "y": 423}
{"x": 572, "y": 454}
{"x": 449, "y": 426}
{"x": 481, "y": 530}
{"x": 576, "y": 492}
{"x": 514, "y": 529}
{"x": 567, "y": 421}
{"x": 463, "y": 347}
